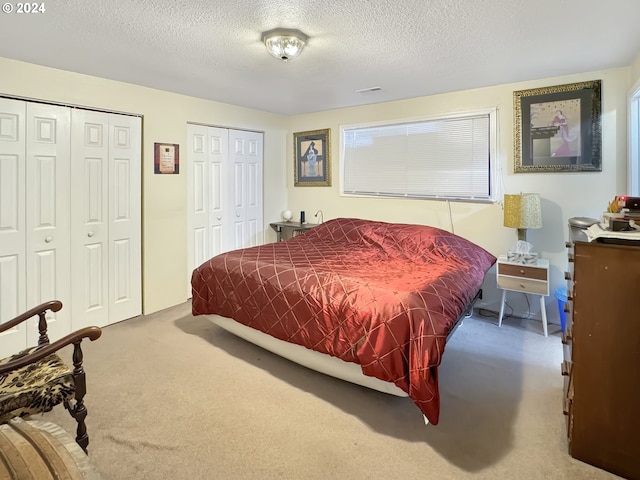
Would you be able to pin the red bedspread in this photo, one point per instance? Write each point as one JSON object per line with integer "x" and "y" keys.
{"x": 382, "y": 295}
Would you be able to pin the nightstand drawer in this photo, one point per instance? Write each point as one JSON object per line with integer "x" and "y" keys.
{"x": 522, "y": 271}
{"x": 523, "y": 285}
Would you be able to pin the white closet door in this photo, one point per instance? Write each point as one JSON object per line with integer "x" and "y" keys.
{"x": 90, "y": 218}
{"x": 218, "y": 152}
{"x": 125, "y": 207}
{"x": 12, "y": 222}
{"x": 106, "y": 218}
{"x": 246, "y": 197}
{"x": 48, "y": 274}
{"x": 207, "y": 151}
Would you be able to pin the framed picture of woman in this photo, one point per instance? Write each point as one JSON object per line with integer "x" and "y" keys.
{"x": 312, "y": 158}
{"x": 557, "y": 129}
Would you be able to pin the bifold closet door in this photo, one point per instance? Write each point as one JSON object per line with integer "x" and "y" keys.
{"x": 207, "y": 153}
{"x": 246, "y": 194}
{"x": 105, "y": 214}
{"x": 12, "y": 221}
{"x": 48, "y": 273}
{"x": 34, "y": 217}
{"x": 224, "y": 192}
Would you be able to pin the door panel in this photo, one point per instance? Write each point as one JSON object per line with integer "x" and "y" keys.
{"x": 207, "y": 150}
{"x": 218, "y": 153}
{"x": 89, "y": 218}
{"x": 247, "y": 161}
{"x": 197, "y": 201}
{"x": 48, "y": 274}
{"x": 12, "y": 222}
{"x": 125, "y": 206}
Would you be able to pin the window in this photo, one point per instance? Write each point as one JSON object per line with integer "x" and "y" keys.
{"x": 449, "y": 158}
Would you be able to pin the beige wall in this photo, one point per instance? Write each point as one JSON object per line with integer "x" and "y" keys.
{"x": 564, "y": 195}
{"x": 165, "y": 115}
{"x": 635, "y": 70}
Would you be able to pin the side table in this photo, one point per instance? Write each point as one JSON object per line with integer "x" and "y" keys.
{"x": 516, "y": 277}
{"x": 285, "y": 230}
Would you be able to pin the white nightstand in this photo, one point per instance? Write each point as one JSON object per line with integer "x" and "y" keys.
{"x": 517, "y": 277}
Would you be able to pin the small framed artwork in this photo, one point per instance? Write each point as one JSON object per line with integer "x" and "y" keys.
{"x": 312, "y": 158}
{"x": 558, "y": 129}
{"x": 166, "y": 158}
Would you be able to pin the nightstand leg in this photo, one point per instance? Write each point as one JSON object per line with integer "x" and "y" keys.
{"x": 543, "y": 313}
{"x": 504, "y": 297}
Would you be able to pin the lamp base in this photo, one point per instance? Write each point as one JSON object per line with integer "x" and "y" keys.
{"x": 522, "y": 234}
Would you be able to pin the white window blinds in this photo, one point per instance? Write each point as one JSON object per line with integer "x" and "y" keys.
{"x": 441, "y": 158}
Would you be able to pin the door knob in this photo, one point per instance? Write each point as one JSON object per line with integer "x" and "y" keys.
{"x": 219, "y": 218}
{"x": 48, "y": 239}
{"x": 238, "y": 215}
{"x": 90, "y": 234}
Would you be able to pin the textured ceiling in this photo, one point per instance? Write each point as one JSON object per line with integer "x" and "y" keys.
{"x": 212, "y": 48}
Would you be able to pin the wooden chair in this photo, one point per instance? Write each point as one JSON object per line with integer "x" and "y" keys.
{"x": 36, "y": 379}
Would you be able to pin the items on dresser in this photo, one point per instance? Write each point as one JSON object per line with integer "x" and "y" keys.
{"x": 602, "y": 355}
{"x": 516, "y": 277}
{"x": 578, "y": 226}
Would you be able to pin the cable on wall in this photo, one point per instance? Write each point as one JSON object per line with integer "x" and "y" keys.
{"x": 450, "y": 216}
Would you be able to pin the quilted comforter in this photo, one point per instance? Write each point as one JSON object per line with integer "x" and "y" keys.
{"x": 382, "y": 295}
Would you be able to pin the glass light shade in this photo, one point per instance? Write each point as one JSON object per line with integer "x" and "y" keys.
{"x": 284, "y": 43}
{"x": 287, "y": 215}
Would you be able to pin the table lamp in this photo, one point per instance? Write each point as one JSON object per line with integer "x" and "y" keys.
{"x": 522, "y": 211}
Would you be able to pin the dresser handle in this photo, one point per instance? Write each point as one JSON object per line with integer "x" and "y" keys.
{"x": 565, "y": 405}
{"x": 566, "y": 336}
{"x": 571, "y": 259}
{"x": 567, "y": 276}
{"x": 565, "y": 368}
{"x": 568, "y": 244}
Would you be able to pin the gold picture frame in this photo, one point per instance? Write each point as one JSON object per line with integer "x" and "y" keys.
{"x": 312, "y": 158}
{"x": 558, "y": 129}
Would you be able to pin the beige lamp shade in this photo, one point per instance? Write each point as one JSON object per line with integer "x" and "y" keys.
{"x": 522, "y": 211}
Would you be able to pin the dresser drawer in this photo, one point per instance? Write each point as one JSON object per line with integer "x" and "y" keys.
{"x": 523, "y": 285}
{"x": 523, "y": 271}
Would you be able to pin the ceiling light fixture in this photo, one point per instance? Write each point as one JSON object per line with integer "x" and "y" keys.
{"x": 284, "y": 43}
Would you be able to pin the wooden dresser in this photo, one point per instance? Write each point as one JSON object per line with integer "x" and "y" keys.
{"x": 602, "y": 356}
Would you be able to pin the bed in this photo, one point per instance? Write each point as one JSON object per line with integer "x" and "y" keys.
{"x": 380, "y": 298}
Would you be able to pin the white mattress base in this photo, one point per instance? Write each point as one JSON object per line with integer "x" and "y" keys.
{"x": 317, "y": 361}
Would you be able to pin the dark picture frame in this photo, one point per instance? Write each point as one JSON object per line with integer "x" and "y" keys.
{"x": 312, "y": 158}
{"x": 558, "y": 129}
{"x": 166, "y": 158}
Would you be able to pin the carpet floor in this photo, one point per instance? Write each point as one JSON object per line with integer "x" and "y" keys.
{"x": 172, "y": 396}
